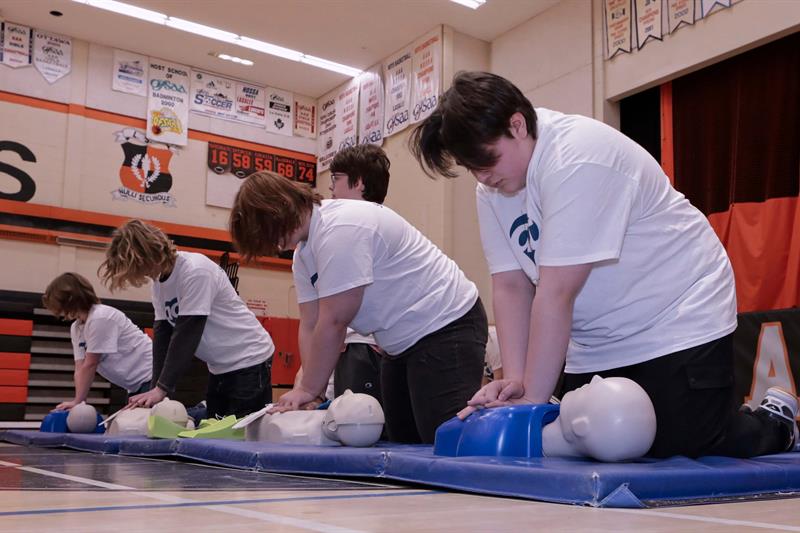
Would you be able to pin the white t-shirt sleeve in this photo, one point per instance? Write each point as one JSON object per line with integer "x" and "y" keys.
{"x": 499, "y": 255}
{"x": 585, "y": 214}
{"x": 196, "y": 293}
{"x": 344, "y": 259}
{"x": 102, "y": 336}
{"x": 302, "y": 278}
{"x": 78, "y": 345}
{"x": 158, "y": 306}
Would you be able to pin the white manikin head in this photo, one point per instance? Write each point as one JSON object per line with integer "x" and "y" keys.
{"x": 130, "y": 422}
{"x": 608, "y": 419}
{"x": 354, "y": 419}
{"x": 173, "y": 411}
{"x": 82, "y": 418}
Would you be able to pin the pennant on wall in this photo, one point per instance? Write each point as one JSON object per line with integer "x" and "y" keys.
{"x": 648, "y": 21}
{"x": 279, "y": 111}
{"x": 305, "y": 117}
{"x": 16, "y": 46}
{"x": 397, "y": 85}
{"x": 327, "y": 143}
{"x": 129, "y": 73}
{"x": 347, "y": 115}
{"x": 52, "y": 55}
{"x": 618, "y": 26}
{"x": 679, "y": 13}
{"x": 251, "y": 105}
{"x": 370, "y": 107}
{"x": 707, "y": 6}
{"x": 168, "y": 103}
{"x": 427, "y": 63}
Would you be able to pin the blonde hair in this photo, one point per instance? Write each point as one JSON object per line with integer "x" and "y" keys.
{"x": 69, "y": 294}
{"x": 137, "y": 251}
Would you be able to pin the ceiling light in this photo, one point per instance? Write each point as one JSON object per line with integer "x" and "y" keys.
{"x": 225, "y": 36}
{"x": 239, "y": 60}
{"x": 472, "y": 4}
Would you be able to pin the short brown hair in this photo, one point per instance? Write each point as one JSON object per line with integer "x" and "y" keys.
{"x": 137, "y": 250}
{"x": 368, "y": 163}
{"x": 68, "y": 294}
{"x": 267, "y": 208}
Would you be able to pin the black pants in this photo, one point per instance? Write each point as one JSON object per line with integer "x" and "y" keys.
{"x": 431, "y": 381}
{"x": 358, "y": 369}
{"x": 696, "y": 412}
{"x": 239, "y": 392}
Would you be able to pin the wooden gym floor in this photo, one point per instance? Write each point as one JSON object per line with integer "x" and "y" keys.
{"x": 67, "y": 491}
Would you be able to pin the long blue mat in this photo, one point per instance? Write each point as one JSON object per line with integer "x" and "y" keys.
{"x": 645, "y": 483}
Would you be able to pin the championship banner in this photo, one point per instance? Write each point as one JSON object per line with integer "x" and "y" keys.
{"x": 16, "y": 46}
{"x": 618, "y": 26}
{"x": 327, "y": 143}
{"x": 397, "y": 84}
{"x": 129, "y": 74}
{"x": 648, "y": 21}
{"x": 229, "y": 165}
{"x": 370, "y": 107}
{"x": 52, "y": 55}
{"x": 279, "y": 111}
{"x": 766, "y": 348}
{"x": 305, "y": 117}
{"x": 707, "y": 6}
{"x": 347, "y": 115}
{"x": 679, "y": 13}
{"x": 213, "y": 96}
{"x": 427, "y": 68}
{"x": 168, "y": 102}
{"x": 251, "y": 104}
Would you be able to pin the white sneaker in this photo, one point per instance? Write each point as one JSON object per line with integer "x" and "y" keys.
{"x": 782, "y": 405}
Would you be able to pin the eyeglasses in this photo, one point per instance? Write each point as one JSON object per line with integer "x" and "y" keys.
{"x": 337, "y": 175}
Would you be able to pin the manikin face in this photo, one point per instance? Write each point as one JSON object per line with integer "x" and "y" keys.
{"x": 509, "y": 173}
{"x": 340, "y": 188}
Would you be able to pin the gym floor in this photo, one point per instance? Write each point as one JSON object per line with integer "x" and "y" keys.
{"x": 57, "y": 490}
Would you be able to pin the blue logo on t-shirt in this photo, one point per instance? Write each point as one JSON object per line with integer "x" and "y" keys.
{"x": 314, "y": 279}
{"x": 171, "y": 309}
{"x": 82, "y": 345}
{"x": 528, "y": 235}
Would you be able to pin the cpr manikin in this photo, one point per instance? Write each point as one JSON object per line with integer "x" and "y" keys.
{"x": 351, "y": 420}
{"x": 609, "y": 419}
{"x": 133, "y": 422}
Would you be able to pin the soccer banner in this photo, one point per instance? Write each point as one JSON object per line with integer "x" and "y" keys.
{"x": 370, "y": 107}
{"x": 213, "y": 96}
{"x": 52, "y": 55}
{"x": 427, "y": 68}
{"x": 168, "y": 103}
{"x": 229, "y": 165}
{"x": 397, "y": 86}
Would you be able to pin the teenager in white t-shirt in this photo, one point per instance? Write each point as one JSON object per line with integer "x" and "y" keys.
{"x": 197, "y": 312}
{"x": 629, "y": 278}
{"x": 360, "y": 264}
{"x": 104, "y": 340}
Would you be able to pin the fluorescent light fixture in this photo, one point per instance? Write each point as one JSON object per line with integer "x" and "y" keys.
{"x": 226, "y": 36}
{"x": 472, "y": 4}
{"x": 330, "y": 65}
{"x": 226, "y": 57}
{"x": 200, "y": 29}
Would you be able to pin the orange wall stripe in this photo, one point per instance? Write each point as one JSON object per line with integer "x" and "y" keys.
{"x": 13, "y": 394}
{"x": 667, "y": 146}
{"x": 16, "y": 378}
{"x": 10, "y": 326}
{"x": 20, "y": 361}
{"x": 125, "y": 120}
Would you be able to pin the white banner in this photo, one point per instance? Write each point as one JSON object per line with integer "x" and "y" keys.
{"x": 327, "y": 143}
{"x": 16, "y": 45}
{"x": 168, "y": 102}
{"x": 279, "y": 111}
{"x": 648, "y": 21}
{"x": 213, "y": 96}
{"x": 709, "y": 5}
{"x": 427, "y": 68}
{"x": 618, "y": 26}
{"x": 52, "y": 55}
{"x": 347, "y": 115}
{"x": 679, "y": 13}
{"x": 397, "y": 84}
{"x": 129, "y": 74}
{"x": 370, "y": 107}
{"x": 305, "y": 117}
{"x": 251, "y": 104}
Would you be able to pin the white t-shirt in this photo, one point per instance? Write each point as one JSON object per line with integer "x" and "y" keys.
{"x": 232, "y": 338}
{"x": 411, "y": 288}
{"x": 353, "y": 337}
{"x": 493, "y": 360}
{"x": 126, "y": 352}
{"x": 662, "y": 281}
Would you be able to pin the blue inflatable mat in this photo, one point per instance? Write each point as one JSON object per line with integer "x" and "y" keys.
{"x": 645, "y": 483}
